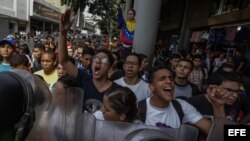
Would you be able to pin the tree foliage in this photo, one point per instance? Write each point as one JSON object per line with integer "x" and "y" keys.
{"x": 106, "y": 9}
{"x": 76, "y": 4}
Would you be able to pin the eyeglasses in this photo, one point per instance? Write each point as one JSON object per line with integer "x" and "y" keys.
{"x": 131, "y": 63}
{"x": 232, "y": 91}
{"x": 100, "y": 60}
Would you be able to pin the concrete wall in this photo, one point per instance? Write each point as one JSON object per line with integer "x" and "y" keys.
{"x": 22, "y": 9}
{"x": 3, "y": 30}
{"x": 7, "y": 7}
{"x": 7, "y": 11}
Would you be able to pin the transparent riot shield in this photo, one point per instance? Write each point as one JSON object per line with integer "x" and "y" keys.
{"x": 37, "y": 99}
{"x": 187, "y": 133}
{"x": 91, "y": 129}
{"x": 42, "y": 103}
{"x": 58, "y": 122}
{"x": 216, "y": 132}
{"x": 148, "y": 135}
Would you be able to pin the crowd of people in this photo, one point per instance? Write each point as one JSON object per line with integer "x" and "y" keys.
{"x": 182, "y": 89}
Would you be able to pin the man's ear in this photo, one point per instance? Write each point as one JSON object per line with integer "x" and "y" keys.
{"x": 151, "y": 87}
{"x": 123, "y": 117}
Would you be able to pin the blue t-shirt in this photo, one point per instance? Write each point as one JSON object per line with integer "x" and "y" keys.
{"x": 5, "y": 67}
{"x": 93, "y": 99}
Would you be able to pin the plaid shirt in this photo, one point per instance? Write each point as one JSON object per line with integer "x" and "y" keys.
{"x": 196, "y": 76}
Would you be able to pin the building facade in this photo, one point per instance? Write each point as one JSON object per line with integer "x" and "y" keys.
{"x": 57, "y": 3}
{"x": 207, "y": 23}
{"x": 14, "y": 16}
{"x": 44, "y": 16}
{"x": 27, "y": 15}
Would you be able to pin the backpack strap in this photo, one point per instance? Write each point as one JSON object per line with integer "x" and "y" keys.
{"x": 142, "y": 108}
{"x": 178, "y": 109}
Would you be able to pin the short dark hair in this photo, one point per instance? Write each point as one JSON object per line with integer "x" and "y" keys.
{"x": 197, "y": 56}
{"x": 123, "y": 101}
{"x": 218, "y": 77}
{"x": 19, "y": 59}
{"x": 187, "y": 60}
{"x": 177, "y": 56}
{"x": 68, "y": 81}
{"x": 40, "y": 46}
{"x": 49, "y": 36}
{"x": 72, "y": 60}
{"x": 88, "y": 50}
{"x": 160, "y": 62}
{"x": 133, "y": 10}
{"x": 25, "y": 48}
{"x": 143, "y": 56}
{"x": 136, "y": 55}
{"x": 108, "y": 53}
{"x": 17, "y": 42}
{"x": 155, "y": 69}
{"x": 50, "y": 52}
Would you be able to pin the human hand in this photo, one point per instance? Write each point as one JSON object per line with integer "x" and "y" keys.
{"x": 66, "y": 20}
{"x": 217, "y": 96}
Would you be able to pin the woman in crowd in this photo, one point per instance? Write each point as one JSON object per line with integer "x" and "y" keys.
{"x": 48, "y": 72}
{"x": 119, "y": 104}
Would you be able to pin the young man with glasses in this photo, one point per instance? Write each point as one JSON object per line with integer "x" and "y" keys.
{"x": 222, "y": 82}
{"x": 131, "y": 79}
{"x": 94, "y": 86}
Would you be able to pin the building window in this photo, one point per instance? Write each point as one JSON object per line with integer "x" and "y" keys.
{"x": 11, "y": 27}
{"x": 225, "y": 6}
{"x": 216, "y": 7}
{"x": 231, "y": 5}
{"x": 246, "y": 3}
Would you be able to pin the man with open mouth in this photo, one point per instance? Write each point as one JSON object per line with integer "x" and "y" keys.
{"x": 163, "y": 110}
{"x": 94, "y": 86}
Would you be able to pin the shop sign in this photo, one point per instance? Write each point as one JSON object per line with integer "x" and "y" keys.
{"x": 22, "y": 23}
{"x": 46, "y": 12}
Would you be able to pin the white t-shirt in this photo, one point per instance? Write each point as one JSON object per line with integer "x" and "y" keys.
{"x": 98, "y": 115}
{"x": 217, "y": 63}
{"x": 169, "y": 117}
{"x": 140, "y": 89}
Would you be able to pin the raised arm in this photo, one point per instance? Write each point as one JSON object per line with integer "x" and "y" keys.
{"x": 65, "y": 24}
{"x": 120, "y": 18}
